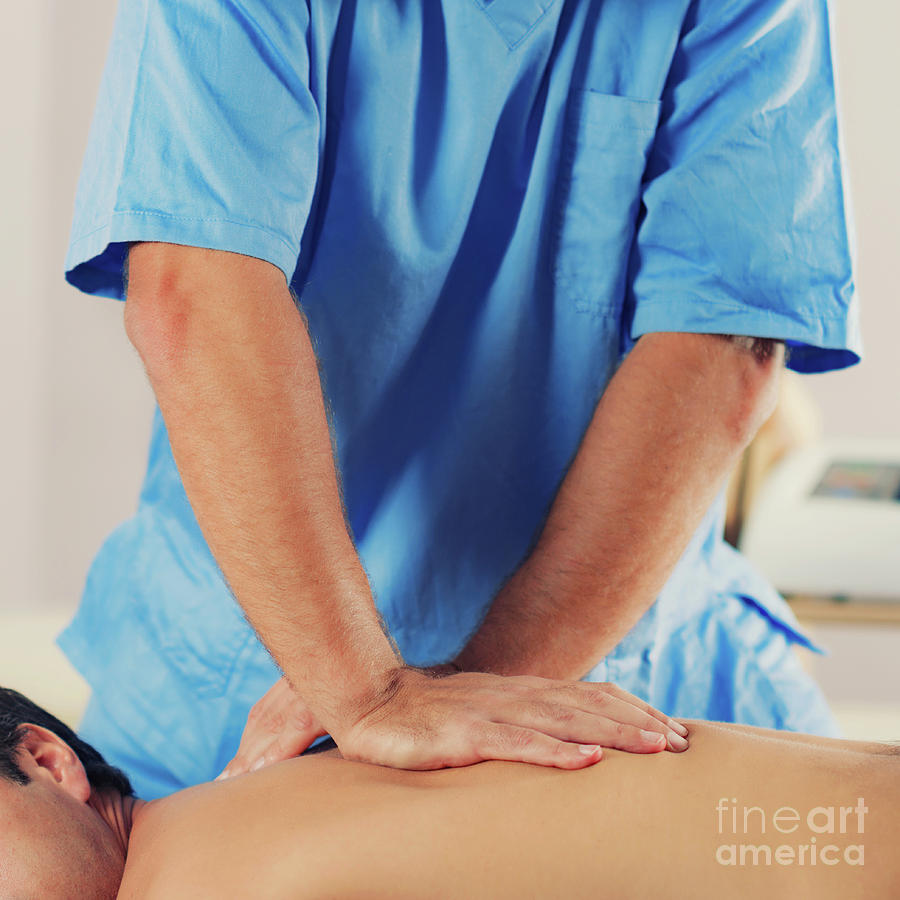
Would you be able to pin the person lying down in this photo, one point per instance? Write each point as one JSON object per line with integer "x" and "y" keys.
{"x": 744, "y": 812}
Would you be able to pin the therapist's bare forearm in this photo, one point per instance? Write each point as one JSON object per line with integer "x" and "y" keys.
{"x": 669, "y": 428}
{"x": 235, "y": 376}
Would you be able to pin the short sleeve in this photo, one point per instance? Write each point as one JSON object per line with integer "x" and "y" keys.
{"x": 745, "y": 225}
{"x": 205, "y": 133}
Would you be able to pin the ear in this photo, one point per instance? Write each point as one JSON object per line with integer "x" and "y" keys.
{"x": 44, "y": 755}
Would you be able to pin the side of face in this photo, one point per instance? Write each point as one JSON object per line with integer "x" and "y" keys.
{"x": 53, "y": 843}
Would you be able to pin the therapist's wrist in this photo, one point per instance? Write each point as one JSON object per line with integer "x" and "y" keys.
{"x": 353, "y": 659}
{"x": 377, "y": 694}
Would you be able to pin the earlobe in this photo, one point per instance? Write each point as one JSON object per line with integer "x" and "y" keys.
{"x": 50, "y": 754}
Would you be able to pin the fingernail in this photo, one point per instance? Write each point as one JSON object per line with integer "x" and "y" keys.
{"x": 677, "y": 726}
{"x": 652, "y": 737}
{"x": 223, "y": 776}
{"x": 257, "y": 765}
{"x": 588, "y": 749}
{"x": 677, "y": 742}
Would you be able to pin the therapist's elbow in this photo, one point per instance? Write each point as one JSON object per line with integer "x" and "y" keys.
{"x": 181, "y": 300}
{"x": 729, "y": 382}
{"x": 756, "y": 364}
{"x": 159, "y": 303}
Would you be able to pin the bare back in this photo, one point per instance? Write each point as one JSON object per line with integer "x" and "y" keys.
{"x": 630, "y": 826}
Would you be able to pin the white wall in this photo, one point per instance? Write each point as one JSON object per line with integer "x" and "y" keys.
{"x": 865, "y": 400}
{"x": 97, "y": 403}
{"x": 74, "y": 399}
{"x": 22, "y": 375}
{"x": 76, "y": 405}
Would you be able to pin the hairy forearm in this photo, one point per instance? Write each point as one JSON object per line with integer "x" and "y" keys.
{"x": 667, "y": 431}
{"x": 235, "y": 376}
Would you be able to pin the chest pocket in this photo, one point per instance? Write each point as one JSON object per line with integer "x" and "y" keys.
{"x": 514, "y": 19}
{"x": 604, "y": 153}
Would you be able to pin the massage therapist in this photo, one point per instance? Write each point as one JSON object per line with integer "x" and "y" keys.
{"x": 458, "y": 314}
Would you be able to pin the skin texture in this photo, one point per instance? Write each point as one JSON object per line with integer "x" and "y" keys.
{"x": 631, "y": 827}
{"x": 58, "y": 837}
{"x": 230, "y": 361}
{"x": 322, "y": 826}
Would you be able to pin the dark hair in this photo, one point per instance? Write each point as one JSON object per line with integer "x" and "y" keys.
{"x": 16, "y": 711}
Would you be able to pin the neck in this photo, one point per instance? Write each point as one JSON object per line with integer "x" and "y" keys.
{"x": 118, "y": 813}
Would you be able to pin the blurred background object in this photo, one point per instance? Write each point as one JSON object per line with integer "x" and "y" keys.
{"x": 825, "y": 524}
{"x": 77, "y": 407}
{"x": 821, "y": 517}
{"x": 32, "y": 664}
{"x": 796, "y": 423}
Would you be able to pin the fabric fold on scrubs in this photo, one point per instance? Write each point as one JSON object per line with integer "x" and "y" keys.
{"x": 748, "y": 226}
{"x": 181, "y": 150}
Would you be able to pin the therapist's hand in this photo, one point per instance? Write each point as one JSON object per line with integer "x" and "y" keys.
{"x": 437, "y": 718}
{"x": 279, "y": 726}
{"x": 419, "y": 721}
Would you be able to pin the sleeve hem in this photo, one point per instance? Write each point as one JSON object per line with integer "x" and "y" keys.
{"x": 94, "y": 261}
{"x": 818, "y": 342}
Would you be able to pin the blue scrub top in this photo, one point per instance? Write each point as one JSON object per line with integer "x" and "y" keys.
{"x": 481, "y": 206}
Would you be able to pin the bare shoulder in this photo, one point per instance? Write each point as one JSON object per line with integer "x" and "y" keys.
{"x": 244, "y": 837}
{"x": 163, "y": 844}
{"x": 199, "y": 842}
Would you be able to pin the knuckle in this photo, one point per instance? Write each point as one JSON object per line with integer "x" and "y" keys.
{"x": 505, "y": 740}
{"x": 519, "y": 739}
{"x": 303, "y": 720}
{"x": 554, "y": 712}
{"x": 275, "y": 722}
{"x": 600, "y": 698}
{"x": 480, "y": 732}
{"x": 518, "y": 684}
